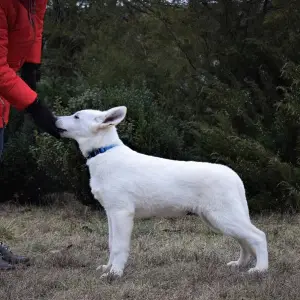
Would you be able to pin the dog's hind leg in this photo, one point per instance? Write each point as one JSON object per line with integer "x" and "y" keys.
{"x": 245, "y": 255}
{"x": 121, "y": 225}
{"x": 245, "y": 251}
{"x": 251, "y": 239}
{"x": 257, "y": 242}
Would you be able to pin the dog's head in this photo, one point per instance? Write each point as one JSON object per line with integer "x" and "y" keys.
{"x": 89, "y": 123}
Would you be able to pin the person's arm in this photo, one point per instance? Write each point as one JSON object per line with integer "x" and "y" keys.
{"x": 12, "y": 87}
{"x": 17, "y": 92}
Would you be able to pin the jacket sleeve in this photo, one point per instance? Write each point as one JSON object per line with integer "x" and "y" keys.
{"x": 12, "y": 87}
{"x": 36, "y": 50}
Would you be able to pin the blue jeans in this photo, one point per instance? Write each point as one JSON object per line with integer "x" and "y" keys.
{"x": 1, "y": 141}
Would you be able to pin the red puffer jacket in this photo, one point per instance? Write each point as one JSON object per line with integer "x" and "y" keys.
{"x": 21, "y": 27}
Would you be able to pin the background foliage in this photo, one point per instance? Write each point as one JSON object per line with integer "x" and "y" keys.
{"x": 203, "y": 80}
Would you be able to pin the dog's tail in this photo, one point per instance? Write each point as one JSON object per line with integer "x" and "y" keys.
{"x": 242, "y": 194}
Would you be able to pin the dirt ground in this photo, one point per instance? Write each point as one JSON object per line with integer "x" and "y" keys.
{"x": 169, "y": 259}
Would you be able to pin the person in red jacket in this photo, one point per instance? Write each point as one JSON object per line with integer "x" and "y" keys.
{"x": 21, "y": 28}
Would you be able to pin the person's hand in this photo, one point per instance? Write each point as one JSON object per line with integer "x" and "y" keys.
{"x": 43, "y": 117}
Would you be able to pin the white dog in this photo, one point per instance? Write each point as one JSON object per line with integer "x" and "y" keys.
{"x": 129, "y": 184}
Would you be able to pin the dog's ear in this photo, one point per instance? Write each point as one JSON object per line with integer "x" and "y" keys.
{"x": 115, "y": 115}
{"x": 112, "y": 116}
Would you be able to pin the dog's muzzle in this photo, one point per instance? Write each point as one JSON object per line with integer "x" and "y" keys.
{"x": 61, "y": 130}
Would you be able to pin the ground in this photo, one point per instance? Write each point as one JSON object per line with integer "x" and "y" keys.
{"x": 169, "y": 259}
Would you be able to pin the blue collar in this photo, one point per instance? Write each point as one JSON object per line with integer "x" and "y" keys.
{"x": 95, "y": 152}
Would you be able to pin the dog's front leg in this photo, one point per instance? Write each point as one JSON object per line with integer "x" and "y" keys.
{"x": 105, "y": 268}
{"x": 121, "y": 226}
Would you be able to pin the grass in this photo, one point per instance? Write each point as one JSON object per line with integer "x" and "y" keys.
{"x": 170, "y": 259}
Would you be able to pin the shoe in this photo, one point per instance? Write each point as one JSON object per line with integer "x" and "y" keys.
{"x": 5, "y": 266}
{"x": 11, "y": 258}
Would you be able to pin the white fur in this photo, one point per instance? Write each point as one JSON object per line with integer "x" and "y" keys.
{"x": 129, "y": 184}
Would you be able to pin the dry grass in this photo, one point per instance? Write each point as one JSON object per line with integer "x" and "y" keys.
{"x": 170, "y": 259}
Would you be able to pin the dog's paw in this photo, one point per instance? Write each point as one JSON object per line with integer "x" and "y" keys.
{"x": 114, "y": 273}
{"x": 256, "y": 270}
{"x": 103, "y": 268}
{"x": 233, "y": 264}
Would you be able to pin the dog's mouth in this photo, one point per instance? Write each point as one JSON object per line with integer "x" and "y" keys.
{"x": 61, "y": 130}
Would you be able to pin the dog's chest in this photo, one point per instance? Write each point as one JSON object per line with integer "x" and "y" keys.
{"x": 97, "y": 189}
{"x": 97, "y": 181}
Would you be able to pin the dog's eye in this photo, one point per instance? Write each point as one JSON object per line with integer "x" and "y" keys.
{"x": 76, "y": 117}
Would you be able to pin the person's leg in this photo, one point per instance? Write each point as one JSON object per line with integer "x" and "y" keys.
{"x": 3, "y": 264}
{"x": 7, "y": 258}
{"x": 1, "y": 141}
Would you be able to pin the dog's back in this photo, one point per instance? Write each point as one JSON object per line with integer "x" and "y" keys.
{"x": 159, "y": 185}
